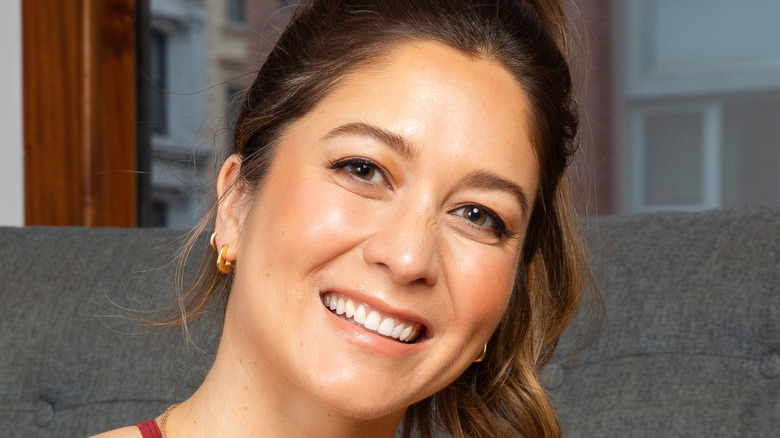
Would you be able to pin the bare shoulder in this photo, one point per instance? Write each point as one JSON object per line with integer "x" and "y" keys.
{"x": 125, "y": 432}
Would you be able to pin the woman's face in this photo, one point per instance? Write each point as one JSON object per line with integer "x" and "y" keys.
{"x": 380, "y": 253}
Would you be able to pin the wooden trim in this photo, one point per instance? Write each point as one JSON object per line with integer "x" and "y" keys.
{"x": 79, "y": 112}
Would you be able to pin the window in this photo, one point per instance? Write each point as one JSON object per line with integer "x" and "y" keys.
{"x": 233, "y": 98}
{"x": 159, "y": 213}
{"x": 676, "y": 151}
{"x": 236, "y": 13}
{"x": 700, "y": 89}
{"x": 158, "y": 105}
{"x": 197, "y": 51}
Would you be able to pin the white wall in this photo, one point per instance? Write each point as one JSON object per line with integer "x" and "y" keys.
{"x": 11, "y": 143}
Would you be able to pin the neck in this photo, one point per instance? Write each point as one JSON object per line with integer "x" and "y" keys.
{"x": 241, "y": 400}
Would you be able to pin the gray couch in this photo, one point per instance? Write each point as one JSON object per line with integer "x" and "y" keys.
{"x": 690, "y": 346}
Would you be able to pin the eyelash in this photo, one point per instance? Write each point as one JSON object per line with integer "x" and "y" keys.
{"x": 499, "y": 229}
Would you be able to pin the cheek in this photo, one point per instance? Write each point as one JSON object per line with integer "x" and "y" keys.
{"x": 484, "y": 285}
{"x": 317, "y": 219}
{"x": 328, "y": 216}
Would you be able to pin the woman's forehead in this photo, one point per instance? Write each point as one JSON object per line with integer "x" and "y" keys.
{"x": 433, "y": 96}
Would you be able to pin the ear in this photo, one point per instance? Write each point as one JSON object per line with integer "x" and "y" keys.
{"x": 232, "y": 206}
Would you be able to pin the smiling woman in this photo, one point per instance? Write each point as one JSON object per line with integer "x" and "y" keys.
{"x": 393, "y": 232}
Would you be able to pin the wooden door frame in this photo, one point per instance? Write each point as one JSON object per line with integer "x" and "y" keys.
{"x": 79, "y": 91}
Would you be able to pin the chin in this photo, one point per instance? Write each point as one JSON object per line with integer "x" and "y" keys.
{"x": 369, "y": 409}
{"x": 367, "y": 397}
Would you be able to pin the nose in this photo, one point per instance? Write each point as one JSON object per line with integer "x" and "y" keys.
{"x": 406, "y": 247}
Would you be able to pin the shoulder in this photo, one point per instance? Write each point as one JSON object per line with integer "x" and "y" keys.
{"x": 125, "y": 432}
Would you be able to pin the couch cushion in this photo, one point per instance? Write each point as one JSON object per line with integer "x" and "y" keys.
{"x": 691, "y": 344}
{"x": 72, "y": 361}
{"x": 690, "y": 347}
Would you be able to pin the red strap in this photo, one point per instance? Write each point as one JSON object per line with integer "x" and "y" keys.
{"x": 149, "y": 429}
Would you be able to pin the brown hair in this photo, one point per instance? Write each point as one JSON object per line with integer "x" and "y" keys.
{"x": 326, "y": 40}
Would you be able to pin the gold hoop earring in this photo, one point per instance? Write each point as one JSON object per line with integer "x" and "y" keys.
{"x": 223, "y": 264}
{"x": 481, "y": 356}
{"x": 213, "y": 240}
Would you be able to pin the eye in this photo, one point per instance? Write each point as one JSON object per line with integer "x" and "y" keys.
{"x": 362, "y": 169}
{"x": 476, "y": 215}
{"x": 483, "y": 218}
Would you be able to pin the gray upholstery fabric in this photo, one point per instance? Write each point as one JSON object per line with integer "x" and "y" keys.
{"x": 690, "y": 347}
{"x": 691, "y": 344}
{"x": 71, "y": 363}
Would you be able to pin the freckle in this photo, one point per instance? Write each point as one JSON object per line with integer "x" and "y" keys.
{"x": 246, "y": 388}
{"x": 240, "y": 360}
{"x": 246, "y": 408}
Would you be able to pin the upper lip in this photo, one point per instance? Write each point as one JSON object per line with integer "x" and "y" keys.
{"x": 383, "y": 307}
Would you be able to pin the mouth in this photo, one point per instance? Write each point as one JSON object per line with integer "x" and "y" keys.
{"x": 362, "y": 315}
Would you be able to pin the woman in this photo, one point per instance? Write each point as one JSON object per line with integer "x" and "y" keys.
{"x": 393, "y": 228}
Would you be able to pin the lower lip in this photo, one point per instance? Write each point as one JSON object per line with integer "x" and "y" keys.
{"x": 368, "y": 340}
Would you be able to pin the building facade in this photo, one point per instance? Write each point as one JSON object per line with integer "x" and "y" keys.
{"x": 197, "y": 67}
{"x": 679, "y": 99}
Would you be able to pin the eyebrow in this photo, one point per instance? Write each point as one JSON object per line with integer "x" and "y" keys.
{"x": 489, "y": 180}
{"x": 392, "y": 140}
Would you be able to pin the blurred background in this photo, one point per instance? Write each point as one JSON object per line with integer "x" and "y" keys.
{"x": 117, "y": 112}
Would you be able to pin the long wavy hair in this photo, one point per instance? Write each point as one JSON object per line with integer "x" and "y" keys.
{"x": 328, "y": 39}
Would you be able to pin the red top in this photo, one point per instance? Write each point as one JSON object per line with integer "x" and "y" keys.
{"x": 149, "y": 429}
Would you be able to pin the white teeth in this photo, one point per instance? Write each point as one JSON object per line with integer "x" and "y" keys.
{"x": 372, "y": 320}
{"x": 405, "y": 333}
{"x": 360, "y": 315}
{"x": 386, "y": 327}
{"x": 350, "y": 309}
{"x": 397, "y": 331}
